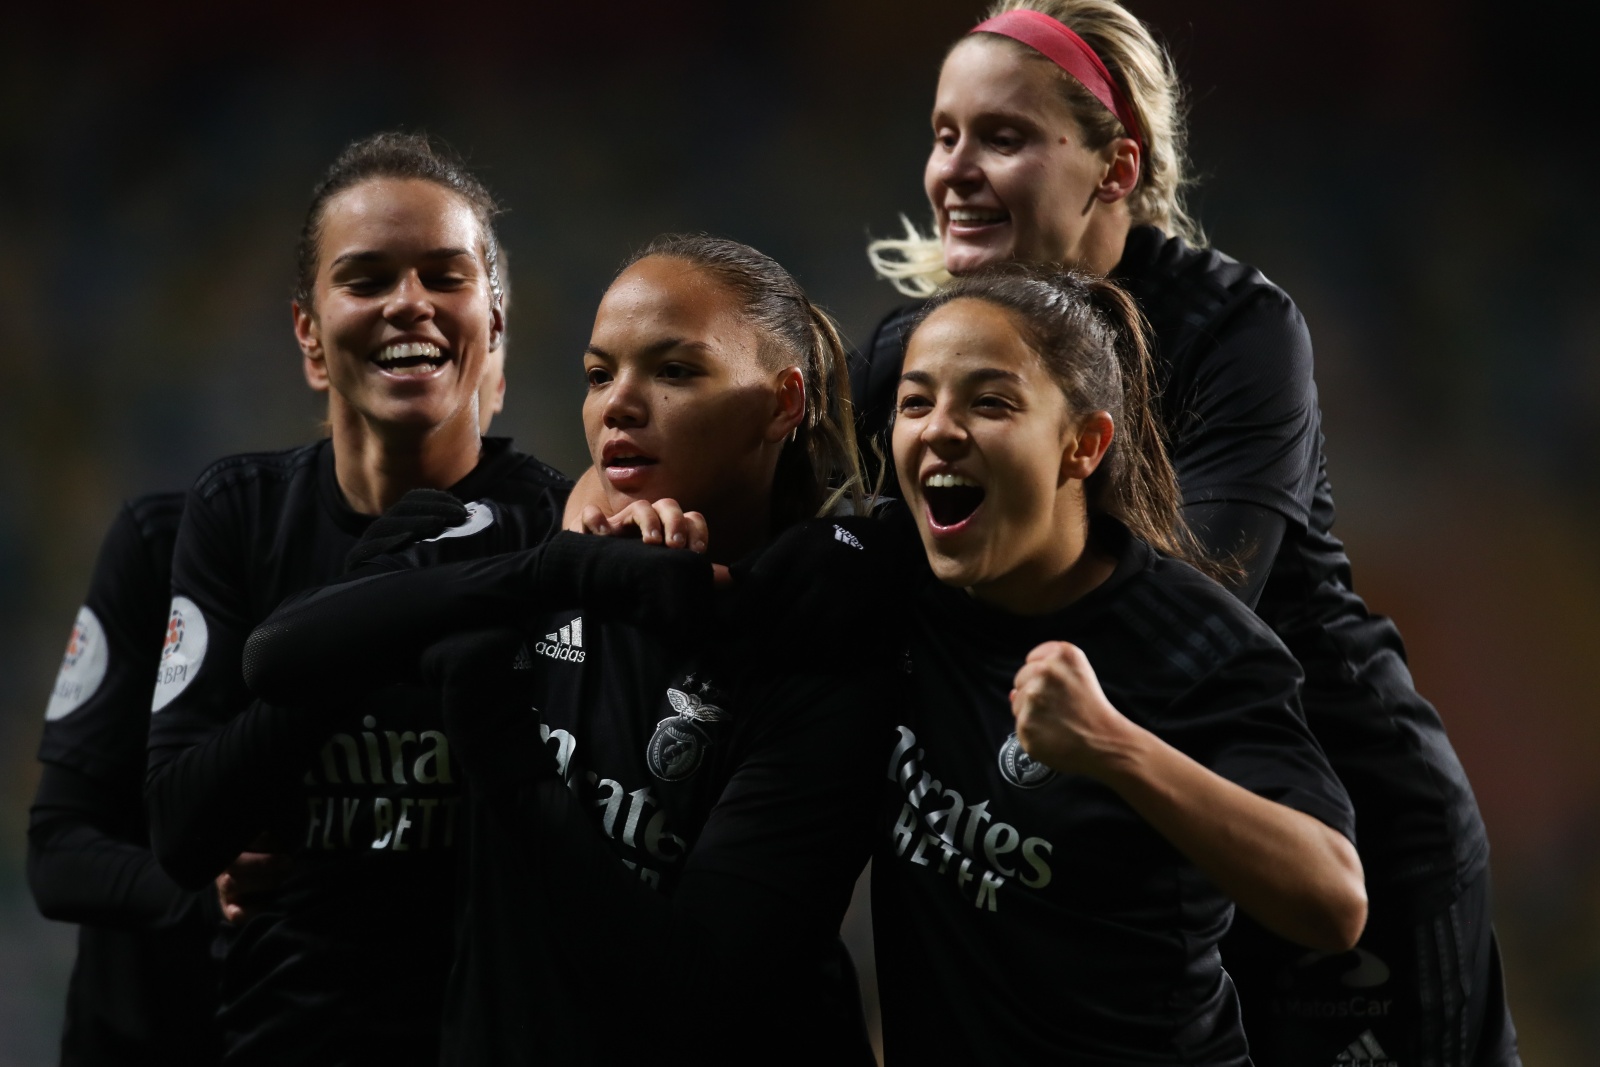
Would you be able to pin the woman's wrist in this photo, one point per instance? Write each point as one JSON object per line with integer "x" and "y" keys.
{"x": 1120, "y": 753}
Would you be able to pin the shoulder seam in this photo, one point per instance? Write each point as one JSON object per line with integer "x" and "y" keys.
{"x": 546, "y": 472}
{"x": 252, "y": 466}
{"x": 154, "y": 514}
{"x": 1195, "y": 638}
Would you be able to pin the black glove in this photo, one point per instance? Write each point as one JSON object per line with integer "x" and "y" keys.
{"x": 488, "y": 714}
{"x": 417, "y": 516}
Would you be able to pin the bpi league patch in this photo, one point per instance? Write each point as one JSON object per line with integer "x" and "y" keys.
{"x": 83, "y": 667}
{"x": 182, "y": 652}
{"x": 1021, "y": 769}
{"x": 679, "y": 744}
{"x": 479, "y": 517}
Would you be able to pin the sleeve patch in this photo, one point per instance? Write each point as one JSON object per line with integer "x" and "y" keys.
{"x": 182, "y": 652}
{"x": 479, "y": 517}
{"x": 83, "y": 667}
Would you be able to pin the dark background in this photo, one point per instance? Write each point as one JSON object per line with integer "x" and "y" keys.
{"x": 1418, "y": 175}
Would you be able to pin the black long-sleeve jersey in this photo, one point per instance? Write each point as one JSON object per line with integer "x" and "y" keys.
{"x": 348, "y": 965}
{"x": 1027, "y": 916}
{"x": 662, "y": 835}
{"x": 1239, "y": 404}
{"x": 143, "y": 987}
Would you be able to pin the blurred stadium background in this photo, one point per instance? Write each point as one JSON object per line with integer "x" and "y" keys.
{"x": 1416, "y": 174}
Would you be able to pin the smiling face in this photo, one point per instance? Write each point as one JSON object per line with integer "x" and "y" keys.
{"x": 1009, "y": 176}
{"x": 990, "y": 458}
{"x": 682, "y": 402}
{"x": 403, "y": 318}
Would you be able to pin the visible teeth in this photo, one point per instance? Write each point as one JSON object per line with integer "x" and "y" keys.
{"x": 959, "y": 214}
{"x": 408, "y": 350}
{"x": 948, "y": 481}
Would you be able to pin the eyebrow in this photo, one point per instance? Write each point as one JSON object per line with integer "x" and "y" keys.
{"x": 378, "y": 257}
{"x": 664, "y": 345}
{"x": 1003, "y": 116}
{"x": 977, "y": 377}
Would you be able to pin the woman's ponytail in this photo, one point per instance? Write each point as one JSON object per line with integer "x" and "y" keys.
{"x": 1147, "y": 499}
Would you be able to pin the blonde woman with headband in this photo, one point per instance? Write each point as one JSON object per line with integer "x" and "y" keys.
{"x": 1059, "y": 139}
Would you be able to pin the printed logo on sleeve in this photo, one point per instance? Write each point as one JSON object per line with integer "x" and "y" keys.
{"x": 479, "y": 517}
{"x": 1365, "y": 1051}
{"x": 1021, "y": 769}
{"x": 1369, "y": 971}
{"x": 846, "y": 537}
{"x": 1336, "y": 985}
{"x": 182, "y": 652}
{"x": 83, "y": 667}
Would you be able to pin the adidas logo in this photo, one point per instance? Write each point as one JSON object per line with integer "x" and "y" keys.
{"x": 841, "y": 534}
{"x": 565, "y": 644}
{"x": 1365, "y": 1051}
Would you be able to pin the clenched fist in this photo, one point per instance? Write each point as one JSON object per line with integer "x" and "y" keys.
{"x": 1063, "y": 718}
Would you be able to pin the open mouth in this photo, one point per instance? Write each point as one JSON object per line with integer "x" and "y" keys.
{"x": 952, "y": 499}
{"x": 623, "y": 462}
{"x": 411, "y": 357}
{"x": 972, "y": 218}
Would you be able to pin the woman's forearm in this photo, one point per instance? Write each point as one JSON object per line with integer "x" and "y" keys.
{"x": 1293, "y": 874}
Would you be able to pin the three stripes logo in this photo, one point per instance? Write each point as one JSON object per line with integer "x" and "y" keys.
{"x": 1364, "y": 1051}
{"x": 565, "y": 644}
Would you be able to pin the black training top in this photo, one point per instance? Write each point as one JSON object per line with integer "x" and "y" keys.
{"x": 664, "y": 828}
{"x": 1027, "y": 916}
{"x": 349, "y": 964}
{"x": 1234, "y": 366}
{"x": 673, "y": 885}
{"x": 143, "y": 988}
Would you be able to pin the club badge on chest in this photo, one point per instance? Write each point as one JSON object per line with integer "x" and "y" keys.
{"x": 678, "y": 746}
{"x": 1021, "y": 769}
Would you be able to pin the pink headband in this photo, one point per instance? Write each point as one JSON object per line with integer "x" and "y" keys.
{"x": 1071, "y": 53}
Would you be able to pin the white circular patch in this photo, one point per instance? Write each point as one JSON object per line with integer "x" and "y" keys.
{"x": 479, "y": 517}
{"x": 83, "y": 667}
{"x": 182, "y": 652}
{"x": 1021, "y": 769}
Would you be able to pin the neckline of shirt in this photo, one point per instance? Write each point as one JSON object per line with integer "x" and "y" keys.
{"x": 987, "y": 623}
{"x": 496, "y": 459}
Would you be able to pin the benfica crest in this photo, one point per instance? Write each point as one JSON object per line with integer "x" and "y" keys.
{"x": 679, "y": 744}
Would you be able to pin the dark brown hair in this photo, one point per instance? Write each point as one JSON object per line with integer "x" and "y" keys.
{"x": 400, "y": 156}
{"x": 1090, "y": 336}
{"x": 819, "y": 466}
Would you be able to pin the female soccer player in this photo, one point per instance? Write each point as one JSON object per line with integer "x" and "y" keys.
{"x": 398, "y": 310}
{"x": 1102, "y": 746}
{"x": 143, "y": 986}
{"x": 1058, "y": 139}
{"x": 661, "y": 849}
